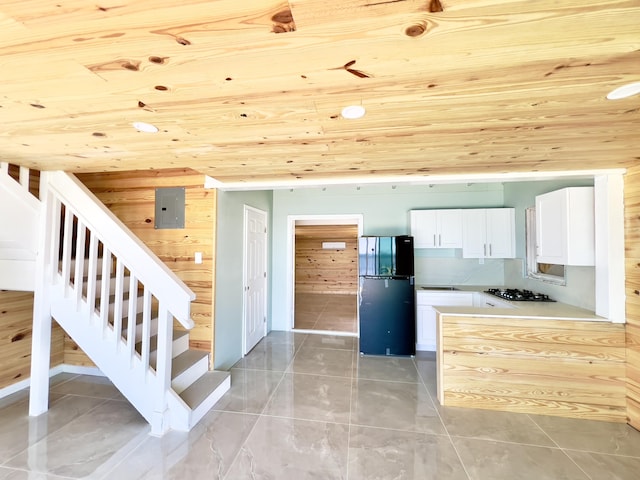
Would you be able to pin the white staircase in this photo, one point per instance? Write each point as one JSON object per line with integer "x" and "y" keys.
{"x": 124, "y": 308}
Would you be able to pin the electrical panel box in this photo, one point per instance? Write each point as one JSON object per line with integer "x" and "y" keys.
{"x": 170, "y": 207}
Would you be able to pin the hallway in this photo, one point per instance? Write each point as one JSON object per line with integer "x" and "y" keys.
{"x": 326, "y": 312}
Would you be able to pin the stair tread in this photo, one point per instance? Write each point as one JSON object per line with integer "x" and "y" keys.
{"x": 183, "y": 361}
{"x": 153, "y": 345}
{"x": 203, "y": 387}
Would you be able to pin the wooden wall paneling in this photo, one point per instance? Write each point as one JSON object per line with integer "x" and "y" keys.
{"x": 131, "y": 197}
{"x": 16, "y": 319}
{"x": 632, "y": 267}
{"x": 326, "y": 271}
{"x": 564, "y": 368}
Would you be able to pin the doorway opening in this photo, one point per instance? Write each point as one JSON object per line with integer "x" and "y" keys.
{"x": 324, "y": 274}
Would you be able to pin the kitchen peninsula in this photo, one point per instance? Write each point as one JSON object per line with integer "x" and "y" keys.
{"x": 541, "y": 358}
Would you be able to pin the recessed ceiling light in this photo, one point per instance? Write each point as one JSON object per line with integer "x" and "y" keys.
{"x": 353, "y": 111}
{"x": 145, "y": 127}
{"x": 624, "y": 91}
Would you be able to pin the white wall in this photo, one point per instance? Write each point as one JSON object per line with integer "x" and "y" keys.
{"x": 385, "y": 212}
{"x": 19, "y": 217}
{"x": 229, "y": 288}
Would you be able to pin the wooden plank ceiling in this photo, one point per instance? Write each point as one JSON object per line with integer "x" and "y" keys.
{"x": 251, "y": 91}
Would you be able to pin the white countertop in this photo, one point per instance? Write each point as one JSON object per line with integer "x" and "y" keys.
{"x": 529, "y": 310}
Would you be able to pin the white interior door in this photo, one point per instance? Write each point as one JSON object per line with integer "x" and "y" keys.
{"x": 255, "y": 276}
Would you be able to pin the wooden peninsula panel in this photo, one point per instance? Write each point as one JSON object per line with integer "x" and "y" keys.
{"x": 550, "y": 367}
{"x": 16, "y": 314}
{"x": 321, "y": 270}
{"x": 632, "y": 290}
{"x": 131, "y": 197}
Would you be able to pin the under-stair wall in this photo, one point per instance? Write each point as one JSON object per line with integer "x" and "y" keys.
{"x": 19, "y": 209}
{"x": 19, "y": 213}
{"x": 130, "y": 196}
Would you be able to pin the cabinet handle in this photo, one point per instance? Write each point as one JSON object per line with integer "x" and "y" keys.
{"x": 485, "y": 250}
{"x": 490, "y": 251}
{"x": 439, "y": 239}
{"x": 434, "y": 240}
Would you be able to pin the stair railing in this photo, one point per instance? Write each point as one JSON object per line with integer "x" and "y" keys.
{"x": 112, "y": 285}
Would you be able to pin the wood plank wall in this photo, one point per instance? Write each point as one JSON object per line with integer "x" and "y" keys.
{"x": 562, "y": 367}
{"x": 326, "y": 271}
{"x": 131, "y": 197}
{"x": 632, "y": 259}
{"x": 16, "y": 314}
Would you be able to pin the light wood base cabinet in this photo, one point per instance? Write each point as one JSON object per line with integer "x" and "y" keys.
{"x": 565, "y": 368}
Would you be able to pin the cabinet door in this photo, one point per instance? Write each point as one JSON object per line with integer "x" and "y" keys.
{"x": 474, "y": 233}
{"x": 449, "y": 228}
{"x": 426, "y": 338}
{"x": 501, "y": 234}
{"x": 551, "y": 228}
{"x": 425, "y": 328}
{"x": 424, "y": 227}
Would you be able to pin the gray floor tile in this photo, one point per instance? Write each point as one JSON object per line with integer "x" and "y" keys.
{"x": 611, "y": 467}
{"x": 489, "y": 460}
{"x": 87, "y": 446}
{"x": 13, "y": 474}
{"x": 491, "y": 425}
{"x": 380, "y": 454}
{"x": 287, "y": 449}
{"x": 400, "y": 406}
{"x": 312, "y": 397}
{"x": 250, "y": 390}
{"x": 89, "y": 386}
{"x": 206, "y": 452}
{"x": 339, "y": 342}
{"x": 268, "y": 357}
{"x": 323, "y": 361}
{"x": 591, "y": 435}
{"x": 393, "y": 369}
{"x": 19, "y": 431}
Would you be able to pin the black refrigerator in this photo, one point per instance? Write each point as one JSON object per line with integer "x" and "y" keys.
{"x": 386, "y": 295}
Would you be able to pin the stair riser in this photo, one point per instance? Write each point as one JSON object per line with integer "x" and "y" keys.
{"x": 190, "y": 375}
{"x": 126, "y": 281}
{"x": 179, "y": 345}
{"x": 125, "y": 306}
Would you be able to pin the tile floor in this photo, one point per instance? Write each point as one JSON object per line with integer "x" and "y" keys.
{"x": 308, "y": 407}
{"x": 326, "y": 312}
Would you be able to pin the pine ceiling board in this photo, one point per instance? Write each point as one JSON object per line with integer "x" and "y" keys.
{"x": 309, "y": 13}
{"x": 128, "y": 41}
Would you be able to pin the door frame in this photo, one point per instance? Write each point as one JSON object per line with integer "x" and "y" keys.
{"x": 246, "y": 209}
{"x": 338, "y": 219}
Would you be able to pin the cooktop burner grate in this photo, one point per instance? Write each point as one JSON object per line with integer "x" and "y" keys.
{"x": 516, "y": 295}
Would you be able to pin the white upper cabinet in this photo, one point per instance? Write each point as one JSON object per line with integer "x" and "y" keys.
{"x": 489, "y": 233}
{"x": 565, "y": 227}
{"x": 436, "y": 228}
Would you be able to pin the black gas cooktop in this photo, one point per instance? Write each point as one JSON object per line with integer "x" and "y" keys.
{"x": 516, "y": 295}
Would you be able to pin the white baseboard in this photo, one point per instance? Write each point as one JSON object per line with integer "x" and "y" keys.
{"x": 63, "y": 368}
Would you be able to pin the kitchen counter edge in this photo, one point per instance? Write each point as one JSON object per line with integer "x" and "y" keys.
{"x": 524, "y": 310}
